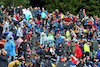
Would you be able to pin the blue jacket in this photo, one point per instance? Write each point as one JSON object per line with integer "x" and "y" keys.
{"x": 56, "y": 25}
{"x": 98, "y": 54}
{"x": 57, "y": 39}
{"x": 61, "y": 27}
{"x": 10, "y": 48}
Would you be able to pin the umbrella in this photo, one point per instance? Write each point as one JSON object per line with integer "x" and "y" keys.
{"x": 49, "y": 40}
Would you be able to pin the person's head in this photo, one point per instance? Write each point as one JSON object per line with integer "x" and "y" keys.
{"x": 32, "y": 25}
{"x": 36, "y": 30}
{"x": 94, "y": 56}
{"x": 25, "y": 40}
{"x": 65, "y": 59}
{"x": 62, "y": 59}
{"x": 70, "y": 30}
{"x": 35, "y": 57}
{"x": 93, "y": 37}
{"x": 88, "y": 58}
{"x": 30, "y": 32}
{"x": 97, "y": 30}
{"x": 82, "y": 62}
{"x": 41, "y": 46}
{"x": 10, "y": 38}
{"x": 22, "y": 57}
{"x": 93, "y": 51}
{"x": 60, "y": 45}
{"x": 52, "y": 47}
{"x": 53, "y": 53}
{"x": 95, "y": 64}
{"x": 73, "y": 41}
{"x": 3, "y": 51}
{"x": 31, "y": 64}
{"x": 12, "y": 23}
{"x": 99, "y": 50}
{"x": 68, "y": 43}
{"x": 46, "y": 50}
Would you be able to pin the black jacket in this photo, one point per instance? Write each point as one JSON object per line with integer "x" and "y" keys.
{"x": 24, "y": 46}
{"x": 62, "y": 64}
{"x": 3, "y": 61}
{"x": 58, "y": 51}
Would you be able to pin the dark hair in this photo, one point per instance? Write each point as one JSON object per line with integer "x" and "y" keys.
{"x": 10, "y": 38}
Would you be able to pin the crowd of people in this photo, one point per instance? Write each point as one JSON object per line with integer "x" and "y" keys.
{"x": 33, "y": 37}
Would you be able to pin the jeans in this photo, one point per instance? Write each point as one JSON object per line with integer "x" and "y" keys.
{"x": 10, "y": 57}
{"x": 58, "y": 57}
{"x": 24, "y": 53}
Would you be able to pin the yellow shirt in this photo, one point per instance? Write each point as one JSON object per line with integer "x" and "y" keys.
{"x": 67, "y": 34}
{"x": 86, "y": 48}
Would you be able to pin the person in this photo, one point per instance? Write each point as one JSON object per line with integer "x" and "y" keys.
{"x": 78, "y": 52}
{"x": 43, "y": 37}
{"x": 20, "y": 32}
{"x": 59, "y": 52}
{"x": 81, "y": 64}
{"x": 47, "y": 58}
{"x": 40, "y": 49}
{"x": 98, "y": 54}
{"x": 61, "y": 27}
{"x": 92, "y": 54}
{"x": 3, "y": 58}
{"x": 33, "y": 60}
{"x": 23, "y": 47}
{"x": 10, "y": 35}
{"x": 73, "y": 46}
{"x": 81, "y": 15}
{"x": 62, "y": 63}
{"x": 94, "y": 44}
{"x": 30, "y": 64}
{"x": 86, "y": 49}
{"x": 32, "y": 38}
{"x": 17, "y": 44}
{"x": 21, "y": 60}
{"x": 6, "y": 26}
{"x": 36, "y": 62}
{"x": 69, "y": 48}
{"x": 10, "y": 48}
{"x": 96, "y": 64}
{"x": 27, "y": 36}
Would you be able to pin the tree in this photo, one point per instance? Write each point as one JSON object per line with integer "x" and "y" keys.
{"x": 16, "y": 2}
{"x": 91, "y": 6}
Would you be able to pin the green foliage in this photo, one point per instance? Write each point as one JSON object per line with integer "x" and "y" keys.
{"x": 16, "y": 2}
{"x": 91, "y": 6}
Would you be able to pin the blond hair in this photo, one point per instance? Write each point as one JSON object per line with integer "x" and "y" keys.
{"x": 2, "y": 50}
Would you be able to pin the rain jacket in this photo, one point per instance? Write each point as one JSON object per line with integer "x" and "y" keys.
{"x": 95, "y": 44}
{"x": 92, "y": 55}
{"x": 10, "y": 35}
{"x": 10, "y": 48}
{"x": 78, "y": 51}
{"x": 13, "y": 63}
{"x": 19, "y": 32}
{"x": 86, "y": 48}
